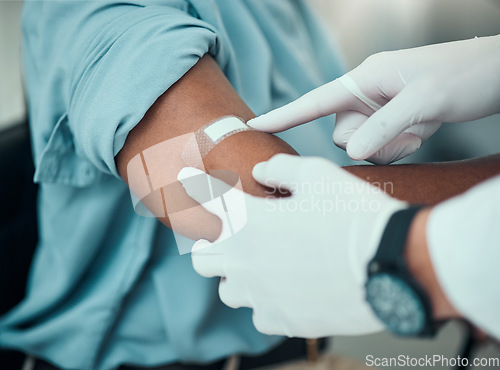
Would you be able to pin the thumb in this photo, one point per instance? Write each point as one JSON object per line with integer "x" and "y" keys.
{"x": 385, "y": 125}
{"x": 293, "y": 173}
{"x": 208, "y": 259}
{"x": 279, "y": 172}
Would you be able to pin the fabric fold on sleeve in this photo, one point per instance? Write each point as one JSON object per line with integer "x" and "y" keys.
{"x": 127, "y": 66}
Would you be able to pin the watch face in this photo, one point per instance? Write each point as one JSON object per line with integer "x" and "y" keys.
{"x": 396, "y": 304}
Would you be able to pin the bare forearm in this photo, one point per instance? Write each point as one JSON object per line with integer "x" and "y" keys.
{"x": 429, "y": 183}
{"x": 200, "y": 96}
{"x": 420, "y": 265}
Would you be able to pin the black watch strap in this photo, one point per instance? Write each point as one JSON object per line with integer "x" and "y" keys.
{"x": 393, "y": 242}
{"x": 389, "y": 258}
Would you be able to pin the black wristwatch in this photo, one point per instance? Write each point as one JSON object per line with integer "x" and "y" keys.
{"x": 397, "y": 299}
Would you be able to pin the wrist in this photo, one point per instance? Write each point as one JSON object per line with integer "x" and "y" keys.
{"x": 420, "y": 266}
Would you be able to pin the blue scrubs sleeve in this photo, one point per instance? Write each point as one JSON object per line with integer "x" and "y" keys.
{"x": 107, "y": 62}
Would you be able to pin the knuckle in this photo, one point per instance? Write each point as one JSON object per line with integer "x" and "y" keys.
{"x": 339, "y": 138}
{"x": 376, "y": 68}
{"x": 375, "y": 60}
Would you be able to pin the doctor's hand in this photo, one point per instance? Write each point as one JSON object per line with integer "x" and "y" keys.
{"x": 299, "y": 261}
{"x": 394, "y": 101}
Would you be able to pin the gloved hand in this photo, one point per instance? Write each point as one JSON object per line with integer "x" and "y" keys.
{"x": 299, "y": 261}
{"x": 393, "y": 101}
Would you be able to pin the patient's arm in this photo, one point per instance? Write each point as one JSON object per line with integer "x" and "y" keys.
{"x": 429, "y": 183}
{"x": 202, "y": 95}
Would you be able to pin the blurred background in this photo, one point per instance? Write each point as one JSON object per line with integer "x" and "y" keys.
{"x": 11, "y": 94}
{"x": 360, "y": 28}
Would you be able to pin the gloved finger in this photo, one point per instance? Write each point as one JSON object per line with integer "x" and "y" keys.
{"x": 424, "y": 130}
{"x": 278, "y": 172}
{"x": 290, "y": 172}
{"x": 351, "y": 85}
{"x": 232, "y": 294}
{"x": 346, "y": 124}
{"x": 405, "y": 144}
{"x": 327, "y": 99}
{"x": 401, "y": 147}
{"x": 207, "y": 259}
{"x": 385, "y": 125}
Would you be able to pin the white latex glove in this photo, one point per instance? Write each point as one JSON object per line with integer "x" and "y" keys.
{"x": 299, "y": 262}
{"x": 394, "y": 101}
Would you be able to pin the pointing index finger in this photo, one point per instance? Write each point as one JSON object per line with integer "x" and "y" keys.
{"x": 330, "y": 98}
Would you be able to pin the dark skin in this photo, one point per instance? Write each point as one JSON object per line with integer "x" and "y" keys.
{"x": 204, "y": 94}
{"x": 430, "y": 183}
{"x": 420, "y": 265}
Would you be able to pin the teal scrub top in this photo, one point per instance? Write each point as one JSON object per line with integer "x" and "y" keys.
{"x": 107, "y": 286}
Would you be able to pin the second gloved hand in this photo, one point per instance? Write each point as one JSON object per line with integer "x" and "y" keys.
{"x": 299, "y": 261}
{"x": 394, "y": 101}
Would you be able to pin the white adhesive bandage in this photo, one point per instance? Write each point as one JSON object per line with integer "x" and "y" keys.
{"x": 156, "y": 192}
{"x": 354, "y": 89}
{"x": 208, "y": 136}
{"x": 220, "y": 129}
